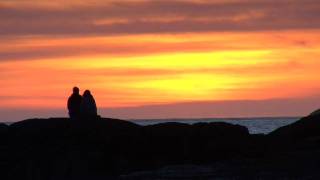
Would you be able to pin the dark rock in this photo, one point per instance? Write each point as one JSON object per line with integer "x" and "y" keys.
{"x": 101, "y": 148}
{"x": 3, "y": 127}
{"x": 186, "y": 172}
{"x": 60, "y": 148}
{"x": 4, "y": 149}
{"x": 4, "y": 131}
{"x": 304, "y": 129}
{"x": 216, "y": 141}
{"x": 315, "y": 113}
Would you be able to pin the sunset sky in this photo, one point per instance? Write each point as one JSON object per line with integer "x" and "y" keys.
{"x": 160, "y": 58}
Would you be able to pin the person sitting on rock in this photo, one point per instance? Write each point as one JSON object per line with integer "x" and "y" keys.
{"x": 88, "y": 105}
{"x": 74, "y": 103}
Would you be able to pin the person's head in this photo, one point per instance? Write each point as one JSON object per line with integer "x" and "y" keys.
{"x": 87, "y": 93}
{"x": 76, "y": 90}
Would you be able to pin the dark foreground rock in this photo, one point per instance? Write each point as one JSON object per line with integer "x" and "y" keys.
{"x": 58, "y": 148}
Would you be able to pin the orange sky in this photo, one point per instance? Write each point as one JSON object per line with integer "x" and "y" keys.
{"x": 165, "y": 56}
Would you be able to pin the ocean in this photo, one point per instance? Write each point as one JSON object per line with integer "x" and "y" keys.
{"x": 255, "y": 125}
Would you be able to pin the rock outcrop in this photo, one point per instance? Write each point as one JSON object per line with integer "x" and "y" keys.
{"x": 58, "y": 148}
{"x": 305, "y": 131}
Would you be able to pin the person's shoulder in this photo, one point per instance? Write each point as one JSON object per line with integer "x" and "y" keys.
{"x": 73, "y": 96}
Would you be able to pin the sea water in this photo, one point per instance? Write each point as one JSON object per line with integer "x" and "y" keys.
{"x": 254, "y": 125}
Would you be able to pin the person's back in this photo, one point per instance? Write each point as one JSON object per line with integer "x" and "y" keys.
{"x": 88, "y": 106}
{"x": 74, "y": 103}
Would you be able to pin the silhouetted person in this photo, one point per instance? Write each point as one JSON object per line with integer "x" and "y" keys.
{"x": 74, "y": 104}
{"x": 88, "y": 105}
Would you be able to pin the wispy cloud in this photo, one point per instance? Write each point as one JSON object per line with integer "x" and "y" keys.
{"x": 149, "y": 16}
{"x": 35, "y": 48}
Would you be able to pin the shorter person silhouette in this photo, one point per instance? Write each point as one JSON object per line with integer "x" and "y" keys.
{"x": 88, "y": 105}
{"x": 74, "y": 104}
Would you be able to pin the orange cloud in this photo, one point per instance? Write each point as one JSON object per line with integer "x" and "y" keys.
{"x": 81, "y": 18}
{"x": 160, "y": 69}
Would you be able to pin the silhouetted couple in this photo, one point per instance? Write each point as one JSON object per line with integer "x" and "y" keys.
{"x": 82, "y": 106}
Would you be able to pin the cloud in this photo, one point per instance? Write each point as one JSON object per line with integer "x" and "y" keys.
{"x": 239, "y": 108}
{"x": 137, "y": 17}
{"x": 40, "y": 51}
{"x": 245, "y": 70}
{"x": 35, "y": 48}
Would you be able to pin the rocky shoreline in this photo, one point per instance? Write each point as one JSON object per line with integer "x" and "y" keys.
{"x": 58, "y": 148}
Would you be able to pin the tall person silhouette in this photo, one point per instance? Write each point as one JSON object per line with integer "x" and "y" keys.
{"x": 74, "y": 104}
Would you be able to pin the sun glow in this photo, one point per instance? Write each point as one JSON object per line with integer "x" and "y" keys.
{"x": 153, "y": 69}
